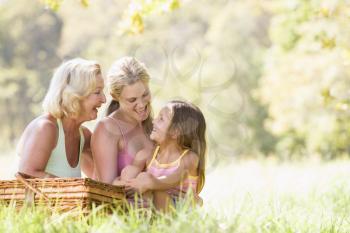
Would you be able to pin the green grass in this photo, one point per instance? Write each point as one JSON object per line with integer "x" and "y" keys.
{"x": 243, "y": 197}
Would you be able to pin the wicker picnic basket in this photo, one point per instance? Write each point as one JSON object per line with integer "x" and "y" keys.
{"x": 61, "y": 194}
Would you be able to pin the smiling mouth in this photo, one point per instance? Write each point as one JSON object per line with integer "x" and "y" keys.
{"x": 143, "y": 111}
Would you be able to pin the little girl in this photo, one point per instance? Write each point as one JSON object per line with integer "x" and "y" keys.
{"x": 177, "y": 164}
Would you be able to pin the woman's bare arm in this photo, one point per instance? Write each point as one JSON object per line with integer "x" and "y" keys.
{"x": 104, "y": 147}
{"x": 138, "y": 165}
{"x": 36, "y": 145}
{"x": 87, "y": 163}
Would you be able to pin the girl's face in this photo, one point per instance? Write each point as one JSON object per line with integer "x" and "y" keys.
{"x": 135, "y": 101}
{"x": 161, "y": 125}
{"x": 93, "y": 101}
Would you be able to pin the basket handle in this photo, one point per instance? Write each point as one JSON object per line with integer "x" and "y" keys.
{"x": 20, "y": 177}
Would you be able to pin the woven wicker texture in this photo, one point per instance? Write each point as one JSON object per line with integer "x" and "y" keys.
{"x": 61, "y": 193}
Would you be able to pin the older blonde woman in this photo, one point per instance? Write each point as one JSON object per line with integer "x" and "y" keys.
{"x": 125, "y": 130}
{"x": 56, "y": 144}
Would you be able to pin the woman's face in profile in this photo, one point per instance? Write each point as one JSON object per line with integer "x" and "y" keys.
{"x": 135, "y": 101}
{"x": 93, "y": 101}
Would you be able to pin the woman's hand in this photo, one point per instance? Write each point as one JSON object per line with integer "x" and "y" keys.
{"x": 118, "y": 182}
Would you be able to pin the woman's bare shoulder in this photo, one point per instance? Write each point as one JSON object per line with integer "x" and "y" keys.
{"x": 40, "y": 131}
{"x": 44, "y": 124}
{"x": 107, "y": 126}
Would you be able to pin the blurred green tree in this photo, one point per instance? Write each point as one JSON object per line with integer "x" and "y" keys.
{"x": 306, "y": 77}
{"x": 29, "y": 38}
{"x": 210, "y": 53}
{"x": 134, "y": 13}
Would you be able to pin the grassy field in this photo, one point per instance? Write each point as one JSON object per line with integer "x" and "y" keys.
{"x": 249, "y": 196}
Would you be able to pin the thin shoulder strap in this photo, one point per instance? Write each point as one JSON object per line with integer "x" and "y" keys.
{"x": 120, "y": 129}
{"x": 154, "y": 156}
{"x": 166, "y": 164}
{"x": 183, "y": 154}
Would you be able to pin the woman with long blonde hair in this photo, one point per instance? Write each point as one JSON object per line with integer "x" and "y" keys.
{"x": 126, "y": 128}
{"x": 56, "y": 144}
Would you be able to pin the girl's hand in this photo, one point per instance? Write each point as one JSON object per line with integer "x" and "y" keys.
{"x": 142, "y": 183}
{"x": 137, "y": 185}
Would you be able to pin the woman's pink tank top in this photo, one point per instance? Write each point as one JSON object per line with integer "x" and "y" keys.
{"x": 124, "y": 157}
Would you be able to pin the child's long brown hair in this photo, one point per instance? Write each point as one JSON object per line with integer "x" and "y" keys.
{"x": 189, "y": 122}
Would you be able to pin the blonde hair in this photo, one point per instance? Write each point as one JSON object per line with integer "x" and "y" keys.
{"x": 188, "y": 120}
{"x": 72, "y": 81}
{"x": 126, "y": 71}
